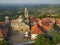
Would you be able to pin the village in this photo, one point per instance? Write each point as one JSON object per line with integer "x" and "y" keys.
{"x": 26, "y": 28}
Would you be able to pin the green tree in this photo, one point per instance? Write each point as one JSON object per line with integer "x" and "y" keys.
{"x": 3, "y": 42}
{"x": 42, "y": 40}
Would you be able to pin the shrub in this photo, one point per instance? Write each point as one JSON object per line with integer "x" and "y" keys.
{"x": 3, "y": 42}
{"x": 42, "y": 40}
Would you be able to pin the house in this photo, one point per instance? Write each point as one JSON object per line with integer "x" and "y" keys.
{"x": 21, "y": 24}
{"x": 40, "y": 26}
{"x": 4, "y": 29}
{"x": 58, "y": 22}
{"x": 34, "y": 28}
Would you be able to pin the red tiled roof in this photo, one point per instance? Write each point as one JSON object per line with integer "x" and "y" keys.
{"x": 46, "y": 27}
{"x": 48, "y": 18}
{"x": 36, "y": 30}
{"x": 1, "y": 34}
{"x": 46, "y": 24}
{"x": 3, "y": 31}
{"x": 58, "y": 21}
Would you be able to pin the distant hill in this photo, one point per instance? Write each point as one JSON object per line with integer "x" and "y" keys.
{"x": 15, "y": 6}
{"x": 38, "y": 10}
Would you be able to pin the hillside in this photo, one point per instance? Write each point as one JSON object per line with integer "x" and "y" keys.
{"x": 38, "y": 10}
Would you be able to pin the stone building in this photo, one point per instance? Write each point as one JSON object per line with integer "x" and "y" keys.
{"x": 4, "y": 28}
{"x": 26, "y": 13}
{"x": 21, "y": 24}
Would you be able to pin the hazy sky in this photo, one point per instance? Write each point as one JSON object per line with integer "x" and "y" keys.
{"x": 30, "y": 1}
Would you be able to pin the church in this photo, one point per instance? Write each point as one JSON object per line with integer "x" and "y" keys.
{"x": 22, "y": 23}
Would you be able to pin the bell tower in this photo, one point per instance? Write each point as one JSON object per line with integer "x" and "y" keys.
{"x": 6, "y": 19}
{"x": 26, "y": 13}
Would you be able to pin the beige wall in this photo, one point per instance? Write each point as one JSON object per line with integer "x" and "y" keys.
{"x": 33, "y": 36}
{"x": 20, "y": 26}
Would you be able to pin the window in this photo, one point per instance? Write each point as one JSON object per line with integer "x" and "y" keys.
{"x": 21, "y": 29}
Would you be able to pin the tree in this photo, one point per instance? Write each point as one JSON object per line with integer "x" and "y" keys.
{"x": 3, "y": 42}
{"x": 42, "y": 40}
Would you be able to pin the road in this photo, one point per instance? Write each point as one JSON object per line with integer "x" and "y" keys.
{"x": 27, "y": 43}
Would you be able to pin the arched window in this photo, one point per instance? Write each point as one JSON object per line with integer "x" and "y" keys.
{"x": 21, "y": 29}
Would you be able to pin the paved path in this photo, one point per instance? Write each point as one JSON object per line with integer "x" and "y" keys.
{"x": 58, "y": 44}
{"x": 27, "y": 43}
{"x": 17, "y": 38}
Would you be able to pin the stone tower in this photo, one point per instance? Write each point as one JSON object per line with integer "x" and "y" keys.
{"x": 20, "y": 19}
{"x": 26, "y": 13}
{"x": 6, "y": 19}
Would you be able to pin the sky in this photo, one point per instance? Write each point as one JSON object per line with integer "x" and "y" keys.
{"x": 30, "y": 1}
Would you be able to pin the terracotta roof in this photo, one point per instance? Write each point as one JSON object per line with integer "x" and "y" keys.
{"x": 48, "y": 18}
{"x": 46, "y": 23}
{"x": 32, "y": 19}
{"x": 3, "y": 29}
{"x": 36, "y": 30}
{"x": 1, "y": 34}
{"x": 58, "y": 21}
